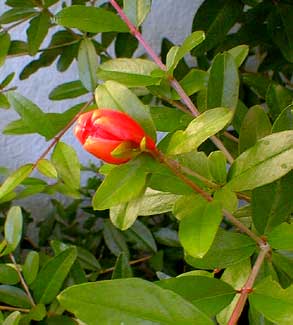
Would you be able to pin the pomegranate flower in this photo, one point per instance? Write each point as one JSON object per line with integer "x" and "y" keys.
{"x": 112, "y": 136}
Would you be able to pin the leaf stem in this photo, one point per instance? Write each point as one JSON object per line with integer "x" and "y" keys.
{"x": 22, "y": 281}
{"x": 248, "y": 287}
{"x": 8, "y": 308}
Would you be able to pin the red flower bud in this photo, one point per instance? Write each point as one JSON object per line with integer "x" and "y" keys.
{"x": 112, "y": 136}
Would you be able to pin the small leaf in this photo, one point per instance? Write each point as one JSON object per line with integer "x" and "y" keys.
{"x": 268, "y": 160}
{"x": 5, "y": 44}
{"x": 14, "y": 296}
{"x": 136, "y": 10}
{"x": 7, "y": 80}
{"x": 46, "y": 168}
{"x": 8, "y": 274}
{"x": 239, "y": 54}
{"x": 218, "y": 167}
{"x": 107, "y": 301}
{"x": 87, "y": 64}
{"x": 282, "y": 237}
{"x": 227, "y": 198}
{"x": 12, "y": 319}
{"x": 90, "y": 19}
{"x": 199, "y": 130}
{"x": 51, "y": 277}
{"x": 4, "y": 103}
{"x": 284, "y": 121}
{"x": 122, "y": 268}
{"x": 114, "y": 239}
{"x": 87, "y": 260}
{"x": 31, "y": 267}
{"x": 67, "y": 90}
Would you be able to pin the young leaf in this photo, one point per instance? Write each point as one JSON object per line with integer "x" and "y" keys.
{"x": 117, "y": 96}
{"x": 14, "y": 296}
{"x": 67, "y": 90}
{"x": 122, "y": 268}
{"x": 198, "y": 230}
{"x": 282, "y": 237}
{"x": 106, "y": 301}
{"x": 268, "y": 160}
{"x": 274, "y": 302}
{"x": 5, "y": 44}
{"x": 31, "y": 267}
{"x": 51, "y": 277}
{"x": 37, "y": 31}
{"x": 114, "y": 239}
{"x": 46, "y": 168}
{"x": 199, "y": 130}
{"x": 218, "y": 166}
{"x": 67, "y": 165}
{"x": 255, "y": 126}
{"x": 129, "y": 72}
{"x": 223, "y": 84}
{"x": 137, "y": 10}
{"x": 210, "y": 296}
{"x": 227, "y": 198}
{"x": 87, "y": 64}
{"x": 90, "y": 19}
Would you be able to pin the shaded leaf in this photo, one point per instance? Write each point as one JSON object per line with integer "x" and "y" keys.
{"x": 122, "y": 269}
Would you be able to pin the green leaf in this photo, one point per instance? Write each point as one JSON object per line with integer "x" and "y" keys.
{"x": 194, "y": 81}
{"x": 255, "y": 126}
{"x": 122, "y": 184}
{"x": 272, "y": 204}
{"x": 278, "y": 98}
{"x": 217, "y": 166}
{"x": 17, "y": 14}
{"x": 20, "y": 3}
{"x": 141, "y": 237}
{"x": 46, "y": 168}
{"x": 227, "y": 198}
{"x": 284, "y": 121}
{"x": 177, "y": 53}
{"x": 8, "y": 274}
{"x": 7, "y": 80}
{"x": 122, "y": 268}
{"x": 199, "y": 130}
{"x": 87, "y": 64}
{"x": 130, "y": 72}
{"x": 186, "y": 205}
{"x": 12, "y": 319}
{"x": 207, "y": 294}
{"x": 239, "y": 54}
{"x": 31, "y": 267}
{"x": 258, "y": 83}
{"x": 125, "y": 45}
{"x": 281, "y": 17}
{"x": 223, "y": 84}
{"x": 275, "y": 303}
{"x": 198, "y": 230}
{"x": 87, "y": 260}
{"x": 227, "y": 249}
{"x": 5, "y": 44}
{"x": 67, "y": 165}
{"x": 117, "y": 96}
{"x": 67, "y": 90}
{"x": 144, "y": 302}
{"x": 114, "y": 239}
{"x": 51, "y": 277}
{"x": 90, "y": 19}
{"x": 215, "y": 18}
{"x": 12, "y": 229}
{"x": 137, "y": 10}
{"x": 268, "y": 160}
{"x": 282, "y": 237}
{"x": 14, "y": 296}
{"x": 4, "y": 103}
{"x": 37, "y": 32}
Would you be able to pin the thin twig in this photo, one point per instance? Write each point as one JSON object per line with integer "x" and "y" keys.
{"x": 248, "y": 287}
{"x": 22, "y": 281}
{"x": 230, "y": 136}
{"x": 8, "y": 308}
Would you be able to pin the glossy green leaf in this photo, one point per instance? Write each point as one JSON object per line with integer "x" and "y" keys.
{"x": 31, "y": 267}
{"x": 282, "y": 237}
{"x": 67, "y": 90}
{"x": 272, "y": 204}
{"x": 8, "y": 274}
{"x": 215, "y": 18}
{"x": 122, "y": 269}
{"x": 136, "y": 10}
{"x": 275, "y": 303}
{"x": 37, "y": 32}
{"x": 122, "y": 184}
{"x": 114, "y": 239}
{"x": 4, "y": 103}
{"x": 130, "y": 72}
{"x": 17, "y": 14}
{"x": 197, "y": 230}
{"x": 217, "y": 166}
{"x": 14, "y": 296}
{"x": 87, "y": 64}
{"x": 223, "y": 84}
{"x": 46, "y": 168}
{"x": 12, "y": 319}
{"x": 268, "y": 160}
{"x": 278, "y": 98}
{"x": 177, "y": 53}
{"x": 106, "y": 301}
{"x": 67, "y": 164}
{"x": 227, "y": 249}
{"x": 199, "y": 130}
{"x": 284, "y": 121}
{"x": 117, "y": 96}
{"x": 5, "y": 44}
{"x": 239, "y": 54}
{"x": 255, "y": 126}
{"x": 12, "y": 229}
{"x": 51, "y": 277}
{"x": 90, "y": 19}
{"x": 207, "y": 294}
